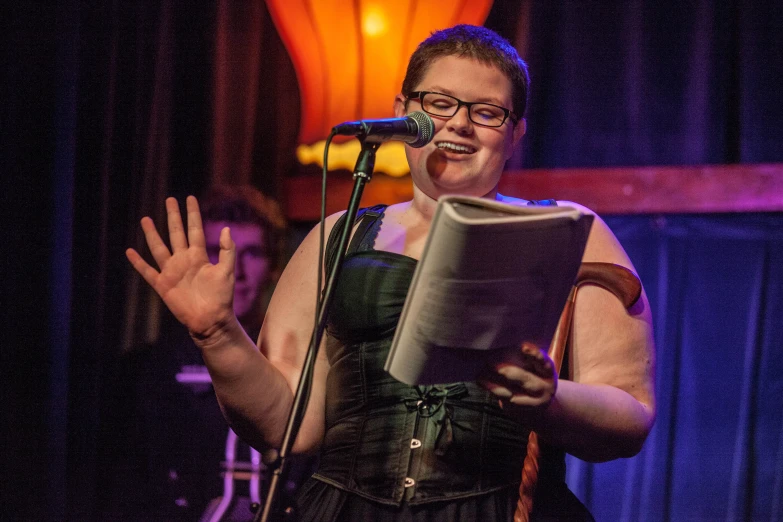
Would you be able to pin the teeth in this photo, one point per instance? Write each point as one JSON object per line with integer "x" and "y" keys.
{"x": 454, "y": 147}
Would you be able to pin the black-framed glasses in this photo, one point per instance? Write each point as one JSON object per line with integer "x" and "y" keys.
{"x": 446, "y": 106}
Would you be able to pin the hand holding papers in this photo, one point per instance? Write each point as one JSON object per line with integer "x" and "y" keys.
{"x": 491, "y": 276}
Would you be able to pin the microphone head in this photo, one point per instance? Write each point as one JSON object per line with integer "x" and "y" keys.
{"x": 426, "y": 128}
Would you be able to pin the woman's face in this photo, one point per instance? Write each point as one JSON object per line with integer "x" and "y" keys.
{"x": 463, "y": 157}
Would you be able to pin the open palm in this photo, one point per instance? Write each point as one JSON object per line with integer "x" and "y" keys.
{"x": 198, "y": 293}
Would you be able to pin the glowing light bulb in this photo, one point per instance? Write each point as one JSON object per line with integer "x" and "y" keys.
{"x": 374, "y": 23}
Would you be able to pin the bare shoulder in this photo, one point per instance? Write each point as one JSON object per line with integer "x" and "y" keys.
{"x": 395, "y": 211}
{"x": 291, "y": 311}
{"x": 611, "y": 345}
{"x": 312, "y": 239}
{"x": 303, "y": 265}
{"x": 288, "y": 328}
{"x": 602, "y": 244}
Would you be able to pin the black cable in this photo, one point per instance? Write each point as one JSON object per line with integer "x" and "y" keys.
{"x": 322, "y": 225}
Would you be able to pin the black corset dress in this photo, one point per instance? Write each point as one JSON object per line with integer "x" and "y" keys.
{"x": 398, "y": 452}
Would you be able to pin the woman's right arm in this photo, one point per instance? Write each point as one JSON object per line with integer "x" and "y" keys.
{"x": 284, "y": 340}
{"x": 255, "y": 388}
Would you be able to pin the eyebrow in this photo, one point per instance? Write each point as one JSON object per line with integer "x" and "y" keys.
{"x": 444, "y": 90}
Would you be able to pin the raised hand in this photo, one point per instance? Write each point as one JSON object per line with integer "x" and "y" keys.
{"x": 198, "y": 293}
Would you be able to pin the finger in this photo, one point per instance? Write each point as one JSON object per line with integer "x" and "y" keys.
{"x": 520, "y": 381}
{"x": 149, "y": 274}
{"x": 527, "y": 400}
{"x": 496, "y": 388}
{"x": 532, "y": 350}
{"x": 542, "y": 368}
{"x": 518, "y": 396}
{"x": 509, "y": 396}
{"x": 535, "y": 360}
{"x": 195, "y": 227}
{"x": 158, "y": 249}
{"x": 228, "y": 252}
{"x": 176, "y": 230}
{"x": 515, "y": 397}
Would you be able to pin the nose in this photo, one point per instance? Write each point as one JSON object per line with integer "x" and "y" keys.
{"x": 239, "y": 268}
{"x": 460, "y": 122}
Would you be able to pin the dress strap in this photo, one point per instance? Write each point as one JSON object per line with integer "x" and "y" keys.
{"x": 367, "y": 230}
{"x": 542, "y": 202}
{"x": 365, "y": 218}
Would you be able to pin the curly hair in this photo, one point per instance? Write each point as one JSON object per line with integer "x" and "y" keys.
{"x": 247, "y": 205}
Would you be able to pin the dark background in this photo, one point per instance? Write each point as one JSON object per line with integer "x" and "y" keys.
{"x": 108, "y": 107}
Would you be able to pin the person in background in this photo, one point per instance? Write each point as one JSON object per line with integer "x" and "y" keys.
{"x": 258, "y": 228}
{"x": 181, "y": 433}
{"x": 389, "y": 451}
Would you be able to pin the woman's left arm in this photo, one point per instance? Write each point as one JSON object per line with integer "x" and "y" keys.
{"x": 605, "y": 407}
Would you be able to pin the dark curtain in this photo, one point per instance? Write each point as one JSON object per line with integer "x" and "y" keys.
{"x": 108, "y": 107}
{"x": 653, "y": 83}
{"x": 715, "y": 285}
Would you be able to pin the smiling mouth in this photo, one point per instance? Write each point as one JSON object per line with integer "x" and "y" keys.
{"x": 455, "y": 148}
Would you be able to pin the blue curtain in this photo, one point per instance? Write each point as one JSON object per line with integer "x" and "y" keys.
{"x": 715, "y": 285}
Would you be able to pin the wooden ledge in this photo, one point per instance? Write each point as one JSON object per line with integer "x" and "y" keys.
{"x": 616, "y": 190}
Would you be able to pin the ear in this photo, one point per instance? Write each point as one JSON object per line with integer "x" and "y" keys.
{"x": 516, "y": 137}
{"x": 399, "y": 106}
{"x": 519, "y": 130}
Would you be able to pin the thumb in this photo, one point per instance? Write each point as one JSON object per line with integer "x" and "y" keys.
{"x": 228, "y": 252}
{"x": 529, "y": 348}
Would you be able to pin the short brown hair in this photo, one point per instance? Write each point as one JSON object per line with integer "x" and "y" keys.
{"x": 247, "y": 205}
{"x": 478, "y": 43}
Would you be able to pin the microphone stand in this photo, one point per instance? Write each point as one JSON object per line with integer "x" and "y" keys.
{"x": 362, "y": 174}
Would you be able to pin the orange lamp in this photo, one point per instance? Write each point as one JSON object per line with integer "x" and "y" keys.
{"x": 350, "y": 59}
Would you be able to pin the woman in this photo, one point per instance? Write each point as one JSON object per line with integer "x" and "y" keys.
{"x": 390, "y": 451}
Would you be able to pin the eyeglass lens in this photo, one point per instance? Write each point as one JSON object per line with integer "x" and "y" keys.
{"x": 447, "y": 106}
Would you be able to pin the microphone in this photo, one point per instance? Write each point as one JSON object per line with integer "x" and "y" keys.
{"x": 416, "y": 129}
